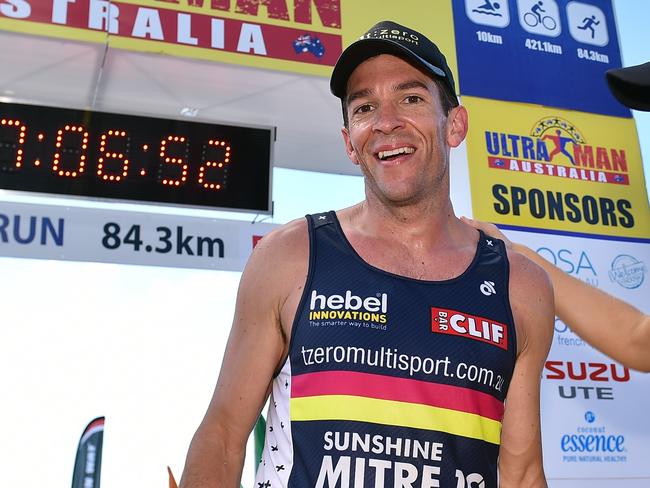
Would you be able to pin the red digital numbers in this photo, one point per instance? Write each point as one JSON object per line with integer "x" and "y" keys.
{"x": 21, "y": 131}
{"x": 57, "y": 161}
{"x": 219, "y": 165}
{"x": 178, "y": 160}
{"x": 71, "y": 147}
{"x": 106, "y": 154}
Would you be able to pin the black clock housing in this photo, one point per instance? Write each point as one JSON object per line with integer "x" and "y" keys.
{"x": 134, "y": 158}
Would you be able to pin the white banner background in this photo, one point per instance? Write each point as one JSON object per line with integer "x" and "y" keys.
{"x": 107, "y": 236}
{"x": 605, "y": 402}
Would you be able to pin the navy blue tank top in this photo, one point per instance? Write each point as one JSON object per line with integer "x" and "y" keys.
{"x": 391, "y": 381}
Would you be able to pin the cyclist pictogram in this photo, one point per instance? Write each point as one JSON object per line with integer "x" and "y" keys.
{"x": 540, "y": 17}
{"x": 534, "y": 17}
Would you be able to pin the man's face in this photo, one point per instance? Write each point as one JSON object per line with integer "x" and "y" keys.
{"x": 397, "y": 132}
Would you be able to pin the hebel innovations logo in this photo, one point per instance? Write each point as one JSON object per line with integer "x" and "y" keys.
{"x": 555, "y": 147}
{"x": 348, "y": 307}
{"x": 453, "y": 322}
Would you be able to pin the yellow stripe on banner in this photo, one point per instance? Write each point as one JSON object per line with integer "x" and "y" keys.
{"x": 390, "y": 412}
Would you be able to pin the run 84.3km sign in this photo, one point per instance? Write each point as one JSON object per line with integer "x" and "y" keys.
{"x": 546, "y": 52}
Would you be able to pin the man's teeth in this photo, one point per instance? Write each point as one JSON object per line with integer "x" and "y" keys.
{"x": 395, "y": 152}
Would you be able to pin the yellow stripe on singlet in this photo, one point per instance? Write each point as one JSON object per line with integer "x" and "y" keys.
{"x": 390, "y": 412}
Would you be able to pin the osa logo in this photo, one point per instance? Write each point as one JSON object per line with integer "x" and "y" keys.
{"x": 576, "y": 263}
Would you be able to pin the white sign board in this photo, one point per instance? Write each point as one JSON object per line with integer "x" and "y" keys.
{"x": 101, "y": 235}
{"x": 595, "y": 427}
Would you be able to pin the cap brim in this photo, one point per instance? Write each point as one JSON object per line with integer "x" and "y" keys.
{"x": 364, "y": 49}
{"x": 631, "y": 86}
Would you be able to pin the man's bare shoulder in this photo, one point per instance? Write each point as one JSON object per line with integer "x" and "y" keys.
{"x": 275, "y": 275}
{"x": 524, "y": 272}
{"x": 277, "y": 268}
{"x": 287, "y": 244}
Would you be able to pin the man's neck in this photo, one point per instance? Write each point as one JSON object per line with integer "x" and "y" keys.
{"x": 430, "y": 223}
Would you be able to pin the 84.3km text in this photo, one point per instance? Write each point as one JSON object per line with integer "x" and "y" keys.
{"x": 169, "y": 240}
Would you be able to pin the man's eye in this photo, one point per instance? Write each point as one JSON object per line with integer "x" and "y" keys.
{"x": 361, "y": 109}
{"x": 413, "y": 99}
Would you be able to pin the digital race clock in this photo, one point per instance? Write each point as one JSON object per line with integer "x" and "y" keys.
{"x": 128, "y": 157}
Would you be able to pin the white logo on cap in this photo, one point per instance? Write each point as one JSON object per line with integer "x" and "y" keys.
{"x": 395, "y": 34}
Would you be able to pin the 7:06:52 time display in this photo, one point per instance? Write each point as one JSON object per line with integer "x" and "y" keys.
{"x": 128, "y": 157}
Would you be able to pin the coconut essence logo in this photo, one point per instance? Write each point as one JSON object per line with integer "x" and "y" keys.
{"x": 555, "y": 147}
{"x": 591, "y": 442}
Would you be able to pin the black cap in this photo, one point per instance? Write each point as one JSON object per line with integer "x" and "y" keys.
{"x": 631, "y": 86}
{"x": 388, "y": 37}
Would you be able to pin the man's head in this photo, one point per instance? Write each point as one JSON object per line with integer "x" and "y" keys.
{"x": 401, "y": 114}
{"x": 391, "y": 38}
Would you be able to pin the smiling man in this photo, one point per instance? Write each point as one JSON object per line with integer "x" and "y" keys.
{"x": 400, "y": 346}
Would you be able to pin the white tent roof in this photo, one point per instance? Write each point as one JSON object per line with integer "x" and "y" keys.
{"x": 72, "y": 74}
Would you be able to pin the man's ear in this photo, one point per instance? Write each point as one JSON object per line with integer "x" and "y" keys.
{"x": 457, "y": 125}
{"x": 349, "y": 149}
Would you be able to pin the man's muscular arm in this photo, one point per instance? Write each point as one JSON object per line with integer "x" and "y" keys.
{"x": 273, "y": 277}
{"x": 520, "y": 454}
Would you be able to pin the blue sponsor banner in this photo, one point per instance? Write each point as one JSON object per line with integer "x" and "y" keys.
{"x": 546, "y": 52}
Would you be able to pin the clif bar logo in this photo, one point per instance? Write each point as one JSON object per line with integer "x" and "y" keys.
{"x": 555, "y": 147}
{"x": 452, "y": 322}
